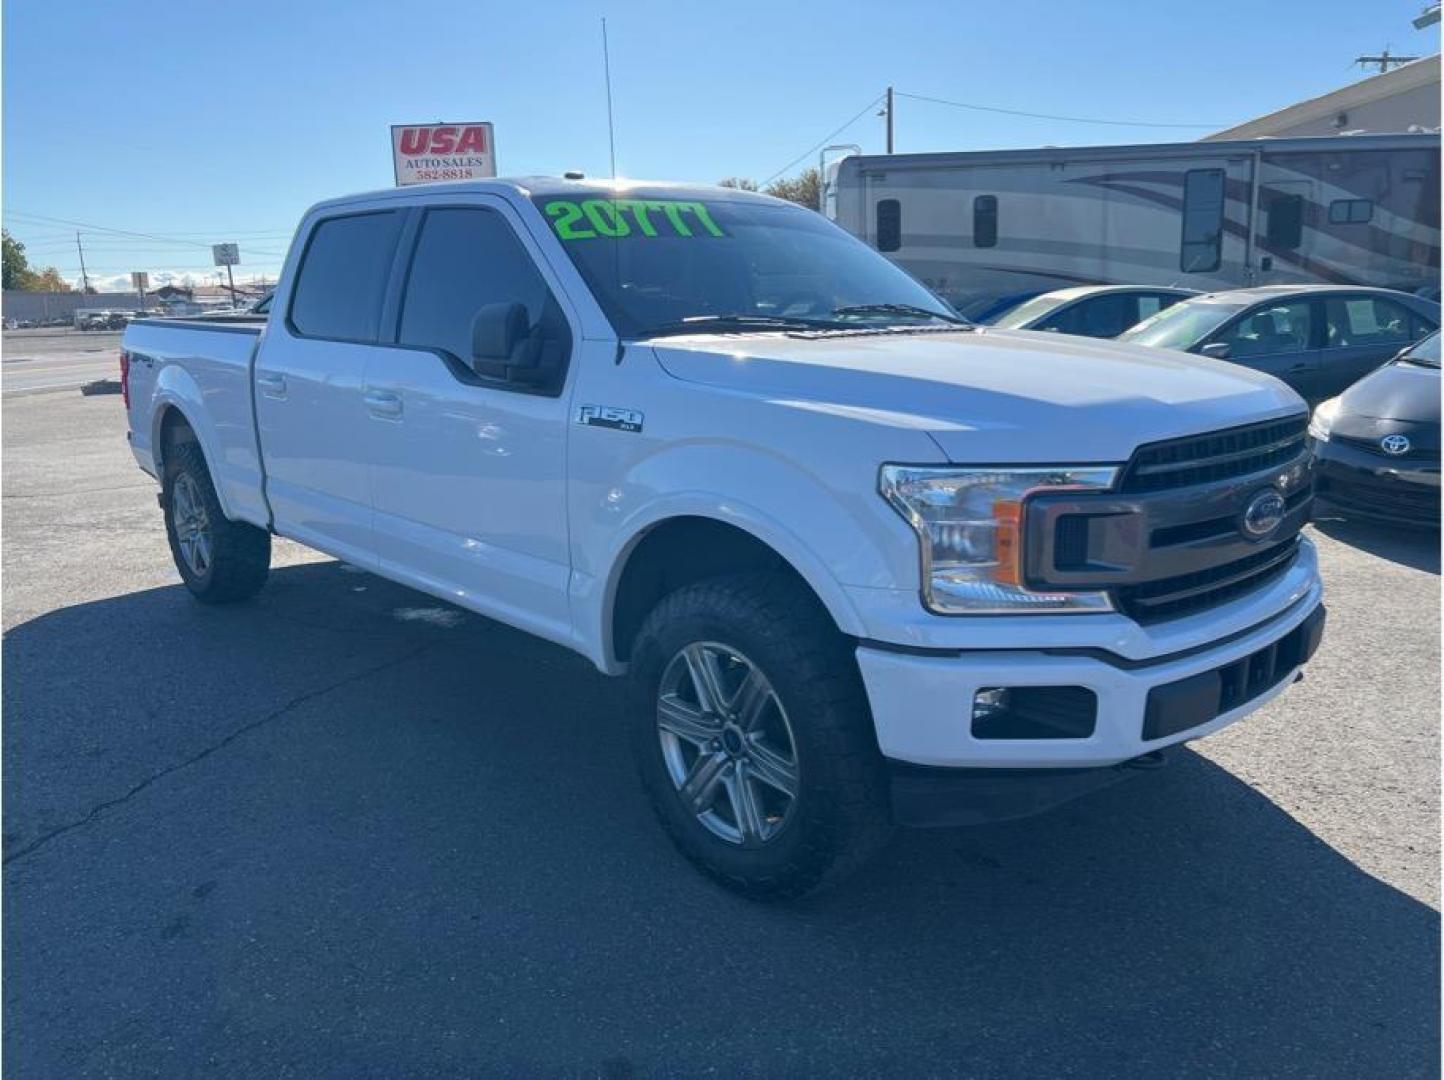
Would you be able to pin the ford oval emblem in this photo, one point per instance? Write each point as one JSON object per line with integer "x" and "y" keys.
{"x": 1263, "y": 514}
{"x": 1395, "y": 444}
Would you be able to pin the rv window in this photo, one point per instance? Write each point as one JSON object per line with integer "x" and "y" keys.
{"x": 1351, "y": 211}
{"x": 985, "y": 221}
{"x": 889, "y": 225}
{"x": 1286, "y": 221}
{"x": 1202, "y": 221}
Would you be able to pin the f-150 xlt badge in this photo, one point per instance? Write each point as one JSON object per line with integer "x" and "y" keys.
{"x": 609, "y": 416}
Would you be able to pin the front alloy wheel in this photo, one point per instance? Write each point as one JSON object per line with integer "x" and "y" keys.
{"x": 727, "y": 744}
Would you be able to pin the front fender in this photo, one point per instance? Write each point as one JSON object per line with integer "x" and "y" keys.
{"x": 830, "y": 539}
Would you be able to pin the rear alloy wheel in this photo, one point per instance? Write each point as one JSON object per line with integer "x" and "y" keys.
{"x": 219, "y": 560}
{"x": 727, "y": 743}
{"x": 193, "y": 533}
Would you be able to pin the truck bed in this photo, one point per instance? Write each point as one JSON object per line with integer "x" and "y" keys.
{"x": 203, "y": 368}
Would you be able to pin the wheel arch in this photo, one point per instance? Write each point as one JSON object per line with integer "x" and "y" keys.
{"x": 178, "y": 405}
{"x": 679, "y": 549}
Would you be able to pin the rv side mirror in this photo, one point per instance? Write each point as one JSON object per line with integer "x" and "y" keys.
{"x": 497, "y": 333}
{"x": 1219, "y": 350}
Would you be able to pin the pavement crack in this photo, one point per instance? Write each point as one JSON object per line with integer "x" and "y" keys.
{"x": 296, "y": 702}
{"x": 74, "y": 491}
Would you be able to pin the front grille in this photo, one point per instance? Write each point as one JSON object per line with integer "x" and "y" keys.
{"x": 1172, "y": 597}
{"x": 1217, "y": 455}
{"x": 1188, "y": 703}
{"x": 1371, "y": 446}
{"x": 1414, "y": 501}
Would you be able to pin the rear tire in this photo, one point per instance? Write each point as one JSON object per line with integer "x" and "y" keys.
{"x": 220, "y": 561}
{"x": 718, "y": 766}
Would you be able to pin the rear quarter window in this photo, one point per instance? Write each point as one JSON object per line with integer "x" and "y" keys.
{"x": 343, "y": 275}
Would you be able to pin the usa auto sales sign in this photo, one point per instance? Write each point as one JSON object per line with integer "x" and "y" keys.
{"x": 426, "y": 152}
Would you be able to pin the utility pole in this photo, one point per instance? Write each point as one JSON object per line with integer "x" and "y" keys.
{"x": 1384, "y": 60}
{"x": 888, "y": 108}
{"x": 84, "y": 277}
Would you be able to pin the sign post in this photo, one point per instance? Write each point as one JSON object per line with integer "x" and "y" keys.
{"x": 422, "y": 153}
{"x": 227, "y": 255}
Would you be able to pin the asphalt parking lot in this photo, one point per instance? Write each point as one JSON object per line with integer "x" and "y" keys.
{"x": 345, "y": 830}
{"x": 50, "y": 359}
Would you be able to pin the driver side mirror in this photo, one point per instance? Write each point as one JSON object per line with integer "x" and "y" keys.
{"x": 1219, "y": 350}
{"x": 499, "y": 336}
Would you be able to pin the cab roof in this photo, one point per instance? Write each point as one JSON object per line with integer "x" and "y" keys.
{"x": 531, "y": 186}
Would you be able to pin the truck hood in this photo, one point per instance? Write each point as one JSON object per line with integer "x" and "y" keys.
{"x": 989, "y": 395}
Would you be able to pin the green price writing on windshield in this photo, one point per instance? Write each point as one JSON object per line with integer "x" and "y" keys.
{"x": 613, "y": 218}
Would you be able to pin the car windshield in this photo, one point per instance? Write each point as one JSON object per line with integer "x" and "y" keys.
{"x": 1027, "y": 311}
{"x": 1182, "y": 325}
{"x": 1425, "y": 352}
{"x": 661, "y": 264}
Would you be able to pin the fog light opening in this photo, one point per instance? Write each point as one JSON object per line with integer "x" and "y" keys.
{"x": 1034, "y": 712}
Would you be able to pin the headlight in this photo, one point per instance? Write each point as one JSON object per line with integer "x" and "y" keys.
{"x": 970, "y": 523}
{"x": 1322, "y": 422}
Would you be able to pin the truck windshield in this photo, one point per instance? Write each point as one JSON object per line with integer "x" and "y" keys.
{"x": 1182, "y": 325}
{"x": 659, "y": 264}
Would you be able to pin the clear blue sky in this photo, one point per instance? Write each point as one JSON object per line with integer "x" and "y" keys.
{"x": 210, "y": 121}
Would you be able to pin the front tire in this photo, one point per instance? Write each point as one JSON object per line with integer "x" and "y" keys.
{"x": 751, "y": 731}
{"x": 220, "y": 561}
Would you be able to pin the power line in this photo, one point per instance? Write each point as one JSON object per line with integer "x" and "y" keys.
{"x": 1048, "y": 116}
{"x": 126, "y": 232}
{"x": 824, "y": 141}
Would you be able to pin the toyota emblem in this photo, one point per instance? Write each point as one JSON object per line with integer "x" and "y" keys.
{"x": 1263, "y": 514}
{"x": 1395, "y": 444}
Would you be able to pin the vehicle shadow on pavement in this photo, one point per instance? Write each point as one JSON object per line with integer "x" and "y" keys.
{"x": 1412, "y": 547}
{"x": 347, "y": 829}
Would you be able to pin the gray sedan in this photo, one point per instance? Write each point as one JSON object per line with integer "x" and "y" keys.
{"x": 1319, "y": 339}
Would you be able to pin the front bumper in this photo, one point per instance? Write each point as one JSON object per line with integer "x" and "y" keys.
{"x": 1370, "y": 485}
{"x": 922, "y": 701}
{"x": 924, "y": 796}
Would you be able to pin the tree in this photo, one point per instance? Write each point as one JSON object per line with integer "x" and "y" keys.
{"x": 19, "y": 275}
{"x": 49, "y": 280}
{"x": 15, "y": 270}
{"x": 804, "y": 189}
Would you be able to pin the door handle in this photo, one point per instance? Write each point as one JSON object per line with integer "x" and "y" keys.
{"x": 383, "y": 403}
{"x": 271, "y": 383}
{"x": 1303, "y": 366}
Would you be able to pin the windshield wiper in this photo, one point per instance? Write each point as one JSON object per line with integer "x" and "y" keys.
{"x": 900, "y": 309}
{"x": 700, "y": 324}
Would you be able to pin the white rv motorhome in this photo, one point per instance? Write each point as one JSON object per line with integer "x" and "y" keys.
{"x": 1349, "y": 209}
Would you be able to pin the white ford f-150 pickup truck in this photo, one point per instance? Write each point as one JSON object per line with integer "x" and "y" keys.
{"x": 862, "y": 563}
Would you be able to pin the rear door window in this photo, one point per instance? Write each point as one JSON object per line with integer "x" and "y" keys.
{"x": 343, "y": 276}
{"x": 1366, "y": 320}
